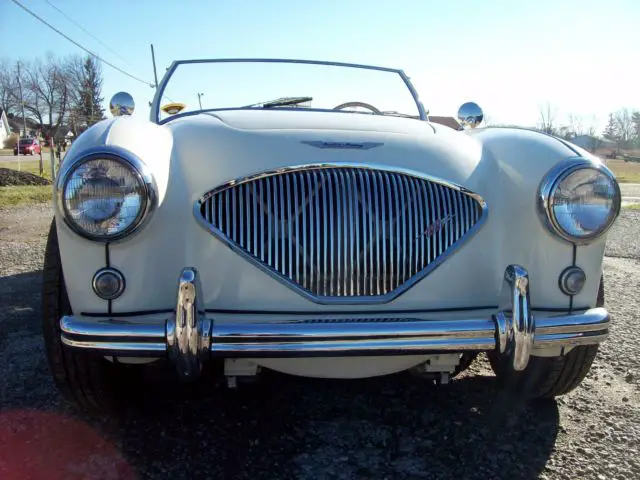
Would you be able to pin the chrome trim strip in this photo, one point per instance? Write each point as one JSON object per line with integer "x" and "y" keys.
{"x": 139, "y": 169}
{"x": 328, "y": 177}
{"x": 361, "y": 328}
{"x": 399, "y": 346}
{"x": 553, "y": 178}
{"x": 119, "y": 348}
{"x": 111, "y": 328}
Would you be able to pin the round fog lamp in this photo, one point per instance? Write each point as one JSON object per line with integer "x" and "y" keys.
{"x": 108, "y": 283}
{"x": 572, "y": 280}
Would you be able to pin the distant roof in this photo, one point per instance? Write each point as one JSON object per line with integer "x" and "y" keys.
{"x": 447, "y": 121}
{"x": 16, "y": 124}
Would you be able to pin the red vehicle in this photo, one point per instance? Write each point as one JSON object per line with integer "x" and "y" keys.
{"x": 29, "y": 146}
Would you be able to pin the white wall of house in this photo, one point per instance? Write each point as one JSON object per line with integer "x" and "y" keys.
{"x": 4, "y": 129}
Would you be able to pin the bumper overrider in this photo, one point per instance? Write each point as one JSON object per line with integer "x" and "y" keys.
{"x": 189, "y": 337}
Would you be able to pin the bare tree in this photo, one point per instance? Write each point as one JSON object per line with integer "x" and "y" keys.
{"x": 48, "y": 93}
{"x": 9, "y": 98}
{"x": 591, "y": 126}
{"x": 546, "y": 123}
{"x": 625, "y": 126}
{"x": 576, "y": 125}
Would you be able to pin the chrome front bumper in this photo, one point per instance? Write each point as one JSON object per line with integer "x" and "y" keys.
{"x": 190, "y": 337}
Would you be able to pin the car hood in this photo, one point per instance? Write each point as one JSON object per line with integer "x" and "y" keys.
{"x": 308, "y": 120}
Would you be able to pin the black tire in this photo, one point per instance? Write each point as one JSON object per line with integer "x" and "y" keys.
{"x": 87, "y": 381}
{"x": 549, "y": 377}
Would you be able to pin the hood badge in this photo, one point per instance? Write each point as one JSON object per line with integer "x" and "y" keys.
{"x": 343, "y": 145}
{"x": 436, "y": 226}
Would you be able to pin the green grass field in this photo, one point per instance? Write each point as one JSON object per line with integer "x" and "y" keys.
{"x": 625, "y": 172}
{"x": 31, "y": 166}
{"x": 28, "y": 194}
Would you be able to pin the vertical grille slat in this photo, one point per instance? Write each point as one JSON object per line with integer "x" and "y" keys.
{"x": 342, "y": 232}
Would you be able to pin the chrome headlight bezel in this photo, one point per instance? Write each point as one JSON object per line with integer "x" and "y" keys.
{"x": 130, "y": 161}
{"x": 553, "y": 179}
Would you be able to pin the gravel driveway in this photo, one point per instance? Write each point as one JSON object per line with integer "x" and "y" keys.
{"x": 287, "y": 427}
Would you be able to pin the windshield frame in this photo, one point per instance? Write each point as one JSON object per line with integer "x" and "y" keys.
{"x": 155, "y": 106}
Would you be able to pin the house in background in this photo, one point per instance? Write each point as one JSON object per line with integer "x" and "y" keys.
{"x": 17, "y": 126}
{"x": 448, "y": 121}
{"x": 592, "y": 143}
{"x": 5, "y": 128}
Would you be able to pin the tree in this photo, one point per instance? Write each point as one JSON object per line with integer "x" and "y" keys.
{"x": 546, "y": 123}
{"x": 9, "y": 97}
{"x": 86, "y": 76}
{"x": 47, "y": 93}
{"x": 635, "y": 118}
{"x": 611, "y": 130}
{"x": 576, "y": 125}
{"x": 625, "y": 126}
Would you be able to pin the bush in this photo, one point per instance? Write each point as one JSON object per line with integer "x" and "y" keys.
{"x": 11, "y": 141}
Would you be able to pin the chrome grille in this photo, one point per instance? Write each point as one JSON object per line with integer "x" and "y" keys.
{"x": 339, "y": 232}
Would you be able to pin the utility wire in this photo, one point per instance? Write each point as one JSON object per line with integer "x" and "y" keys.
{"x": 87, "y": 32}
{"x": 80, "y": 46}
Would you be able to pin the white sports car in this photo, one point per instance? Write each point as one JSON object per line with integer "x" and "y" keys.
{"x": 308, "y": 217}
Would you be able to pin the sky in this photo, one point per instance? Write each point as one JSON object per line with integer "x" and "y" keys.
{"x": 509, "y": 56}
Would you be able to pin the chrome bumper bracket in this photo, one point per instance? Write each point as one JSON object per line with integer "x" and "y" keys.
{"x": 189, "y": 337}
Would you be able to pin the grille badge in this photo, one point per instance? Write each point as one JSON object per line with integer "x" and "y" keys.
{"x": 343, "y": 145}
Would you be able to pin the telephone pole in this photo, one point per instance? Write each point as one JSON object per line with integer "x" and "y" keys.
{"x": 24, "y": 119}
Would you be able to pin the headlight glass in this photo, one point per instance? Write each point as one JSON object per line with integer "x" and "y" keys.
{"x": 104, "y": 197}
{"x": 584, "y": 203}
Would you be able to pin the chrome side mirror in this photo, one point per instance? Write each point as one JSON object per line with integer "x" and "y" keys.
{"x": 470, "y": 115}
{"x": 121, "y": 104}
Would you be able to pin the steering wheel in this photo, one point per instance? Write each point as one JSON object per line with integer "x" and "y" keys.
{"x": 358, "y": 104}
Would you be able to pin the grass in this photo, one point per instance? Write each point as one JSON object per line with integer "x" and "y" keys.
{"x": 633, "y": 206}
{"x": 27, "y": 194}
{"x": 625, "y": 172}
{"x": 31, "y": 166}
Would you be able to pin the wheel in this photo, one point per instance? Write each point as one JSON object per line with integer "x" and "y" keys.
{"x": 87, "y": 381}
{"x": 549, "y": 377}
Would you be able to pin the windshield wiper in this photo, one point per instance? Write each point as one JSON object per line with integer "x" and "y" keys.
{"x": 283, "y": 102}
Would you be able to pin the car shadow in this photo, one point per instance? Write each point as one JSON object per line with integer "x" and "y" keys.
{"x": 395, "y": 426}
{"x": 392, "y": 426}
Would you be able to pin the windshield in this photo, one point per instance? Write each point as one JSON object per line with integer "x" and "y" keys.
{"x": 26, "y": 141}
{"x": 277, "y": 84}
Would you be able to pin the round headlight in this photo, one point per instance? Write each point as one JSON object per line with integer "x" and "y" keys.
{"x": 105, "y": 197}
{"x": 581, "y": 200}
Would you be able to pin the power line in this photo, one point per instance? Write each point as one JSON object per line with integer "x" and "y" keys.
{"x": 87, "y": 32}
{"x": 80, "y": 46}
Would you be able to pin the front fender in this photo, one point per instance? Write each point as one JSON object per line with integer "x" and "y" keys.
{"x": 515, "y": 161}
